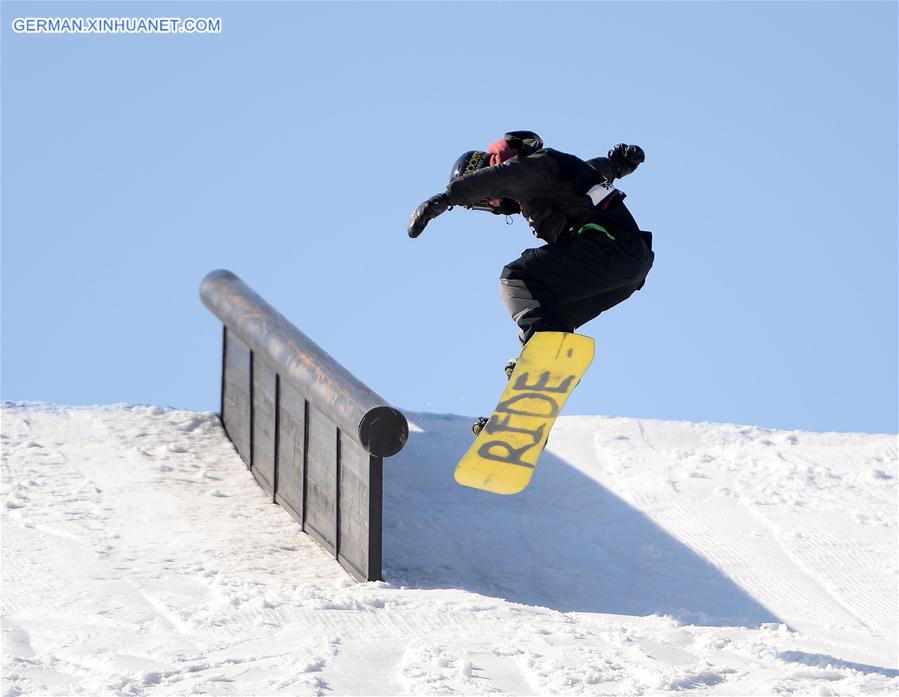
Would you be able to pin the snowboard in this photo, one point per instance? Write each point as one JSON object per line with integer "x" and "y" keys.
{"x": 504, "y": 455}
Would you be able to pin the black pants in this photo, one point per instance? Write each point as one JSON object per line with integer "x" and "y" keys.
{"x": 563, "y": 285}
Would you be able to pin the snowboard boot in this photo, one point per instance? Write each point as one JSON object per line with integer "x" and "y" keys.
{"x": 478, "y": 425}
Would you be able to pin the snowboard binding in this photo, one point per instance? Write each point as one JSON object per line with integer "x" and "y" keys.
{"x": 478, "y": 425}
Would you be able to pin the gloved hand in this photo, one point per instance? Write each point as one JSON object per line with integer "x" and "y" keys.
{"x": 626, "y": 158}
{"x": 425, "y": 213}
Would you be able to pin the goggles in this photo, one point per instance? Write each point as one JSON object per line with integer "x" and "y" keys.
{"x": 481, "y": 206}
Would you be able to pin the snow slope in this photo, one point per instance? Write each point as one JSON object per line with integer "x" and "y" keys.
{"x": 140, "y": 558}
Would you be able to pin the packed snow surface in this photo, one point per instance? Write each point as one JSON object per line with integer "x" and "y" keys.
{"x": 647, "y": 557}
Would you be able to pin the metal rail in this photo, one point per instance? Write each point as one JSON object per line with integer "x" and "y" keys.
{"x": 313, "y": 435}
{"x": 353, "y": 407}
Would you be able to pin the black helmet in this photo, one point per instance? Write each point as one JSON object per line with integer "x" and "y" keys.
{"x": 469, "y": 162}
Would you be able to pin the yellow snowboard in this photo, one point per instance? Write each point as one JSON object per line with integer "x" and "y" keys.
{"x": 503, "y": 456}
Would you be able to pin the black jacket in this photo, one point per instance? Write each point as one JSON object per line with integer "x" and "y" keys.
{"x": 557, "y": 193}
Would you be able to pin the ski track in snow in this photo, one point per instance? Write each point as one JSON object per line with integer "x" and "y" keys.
{"x": 141, "y": 558}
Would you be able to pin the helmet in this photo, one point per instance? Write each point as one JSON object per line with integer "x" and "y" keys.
{"x": 469, "y": 162}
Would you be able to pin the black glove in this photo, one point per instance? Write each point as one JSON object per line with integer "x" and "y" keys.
{"x": 425, "y": 213}
{"x": 626, "y": 158}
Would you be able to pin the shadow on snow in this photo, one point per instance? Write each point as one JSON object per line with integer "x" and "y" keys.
{"x": 566, "y": 543}
{"x": 818, "y": 660}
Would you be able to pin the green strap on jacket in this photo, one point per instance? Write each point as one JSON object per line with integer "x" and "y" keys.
{"x": 598, "y": 228}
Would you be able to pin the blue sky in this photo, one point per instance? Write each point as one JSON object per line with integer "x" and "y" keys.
{"x": 292, "y": 147}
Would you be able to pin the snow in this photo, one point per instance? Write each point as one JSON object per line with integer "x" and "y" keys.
{"x": 647, "y": 557}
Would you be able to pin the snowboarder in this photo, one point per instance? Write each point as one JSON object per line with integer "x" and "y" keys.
{"x": 595, "y": 255}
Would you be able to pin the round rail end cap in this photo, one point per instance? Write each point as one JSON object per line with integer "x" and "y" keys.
{"x": 383, "y": 431}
